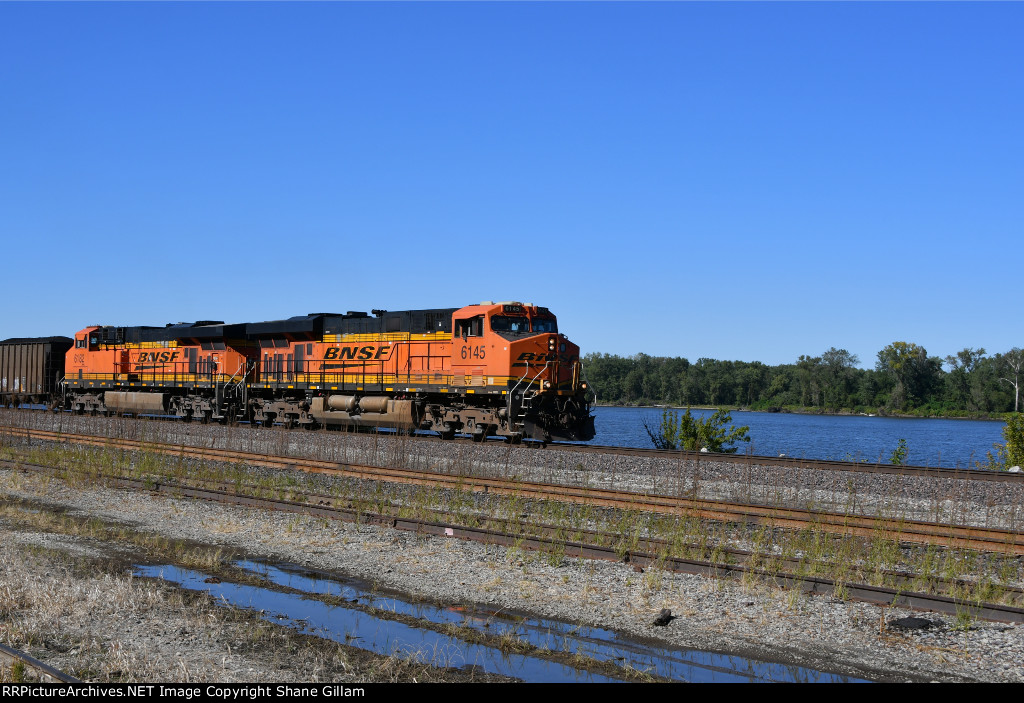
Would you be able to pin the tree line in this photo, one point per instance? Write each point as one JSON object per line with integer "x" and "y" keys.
{"x": 905, "y": 380}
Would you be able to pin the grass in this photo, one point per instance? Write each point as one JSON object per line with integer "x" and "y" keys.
{"x": 51, "y": 601}
{"x": 156, "y": 547}
{"x": 17, "y": 672}
{"x": 76, "y": 614}
{"x": 819, "y": 553}
{"x": 878, "y": 559}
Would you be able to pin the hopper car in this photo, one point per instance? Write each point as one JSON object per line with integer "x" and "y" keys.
{"x": 493, "y": 369}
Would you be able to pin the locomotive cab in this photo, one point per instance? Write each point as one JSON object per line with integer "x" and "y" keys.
{"x": 518, "y": 348}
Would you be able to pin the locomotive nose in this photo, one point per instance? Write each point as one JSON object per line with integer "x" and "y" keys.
{"x": 556, "y": 344}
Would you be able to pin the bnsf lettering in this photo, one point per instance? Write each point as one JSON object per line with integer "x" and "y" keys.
{"x": 360, "y": 353}
{"x": 542, "y": 358}
{"x": 157, "y": 357}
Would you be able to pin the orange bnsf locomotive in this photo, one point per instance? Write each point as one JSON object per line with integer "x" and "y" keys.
{"x": 493, "y": 369}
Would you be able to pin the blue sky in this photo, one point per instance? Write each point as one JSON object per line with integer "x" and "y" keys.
{"x": 732, "y": 181}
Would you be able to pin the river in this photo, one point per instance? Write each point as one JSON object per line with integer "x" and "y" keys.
{"x": 930, "y": 442}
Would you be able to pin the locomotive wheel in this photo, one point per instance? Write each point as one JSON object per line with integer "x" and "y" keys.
{"x": 289, "y": 423}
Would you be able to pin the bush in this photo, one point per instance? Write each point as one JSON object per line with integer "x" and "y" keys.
{"x": 687, "y": 432}
{"x": 1012, "y": 453}
{"x": 1013, "y": 433}
{"x": 899, "y": 455}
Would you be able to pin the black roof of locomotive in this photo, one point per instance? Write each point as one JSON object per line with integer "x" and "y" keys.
{"x": 304, "y": 326}
{"x": 203, "y": 329}
{"x": 67, "y": 341}
{"x": 311, "y": 326}
{"x": 411, "y": 321}
{"x": 318, "y": 324}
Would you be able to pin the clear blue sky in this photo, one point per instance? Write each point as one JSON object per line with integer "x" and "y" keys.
{"x": 734, "y": 181}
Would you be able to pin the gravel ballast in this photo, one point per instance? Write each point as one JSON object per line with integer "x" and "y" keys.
{"x": 752, "y": 620}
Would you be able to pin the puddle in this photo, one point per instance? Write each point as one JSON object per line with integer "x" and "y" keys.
{"x": 384, "y": 636}
{"x": 555, "y": 635}
{"x": 359, "y": 629}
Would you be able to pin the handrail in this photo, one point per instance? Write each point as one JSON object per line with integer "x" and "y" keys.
{"x": 512, "y": 392}
{"x": 586, "y": 380}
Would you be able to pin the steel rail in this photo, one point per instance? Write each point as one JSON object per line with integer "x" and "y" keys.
{"x": 809, "y": 584}
{"x": 650, "y": 545}
{"x": 942, "y": 534}
{"x": 877, "y": 467}
{"x": 43, "y": 673}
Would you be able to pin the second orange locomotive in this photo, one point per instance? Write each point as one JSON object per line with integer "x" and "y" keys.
{"x": 493, "y": 369}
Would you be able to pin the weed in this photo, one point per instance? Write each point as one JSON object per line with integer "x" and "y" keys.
{"x": 899, "y": 455}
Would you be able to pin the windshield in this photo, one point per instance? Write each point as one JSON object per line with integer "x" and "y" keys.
{"x": 541, "y": 324}
{"x": 521, "y": 325}
{"x": 501, "y": 323}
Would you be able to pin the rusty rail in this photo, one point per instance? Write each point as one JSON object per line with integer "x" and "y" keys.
{"x": 876, "y": 467}
{"x": 916, "y": 531}
{"x": 809, "y": 584}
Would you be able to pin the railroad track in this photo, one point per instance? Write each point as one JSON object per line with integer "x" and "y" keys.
{"x": 964, "y": 474}
{"x": 18, "y": 667}
{"x": 908, "y": 531}
{"x": 641, "y": 545}
{"x": 646, "y": 552}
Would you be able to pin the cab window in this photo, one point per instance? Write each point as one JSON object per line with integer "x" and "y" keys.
{"x": 473, "y": 327}
{"x": 502, "y": 323}
{"x": 545, "y": 324}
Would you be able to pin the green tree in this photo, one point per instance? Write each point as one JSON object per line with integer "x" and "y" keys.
{"x": 838, "y": 366}
{"x": 693, "y": 433}
{"x": 962, "y": 378}
{"x": 808, "y": 373}
{"x": 752, "y": 380}
{"x": 914, "y": 373}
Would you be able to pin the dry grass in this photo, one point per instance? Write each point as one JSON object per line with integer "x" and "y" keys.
{"x": 818, "y": 552}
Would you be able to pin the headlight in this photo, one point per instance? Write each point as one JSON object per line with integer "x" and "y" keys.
{"x": 551, "y": 344}
{"x": 547, "y": 385}
{"x": 583, "y": 386}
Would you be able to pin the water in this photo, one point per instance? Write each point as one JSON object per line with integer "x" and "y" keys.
{"x": 360, "y": 629}
{"x": 930, "y": 442}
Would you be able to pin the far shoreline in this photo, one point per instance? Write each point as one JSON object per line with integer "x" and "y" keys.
{"x": 985, "y": 417}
